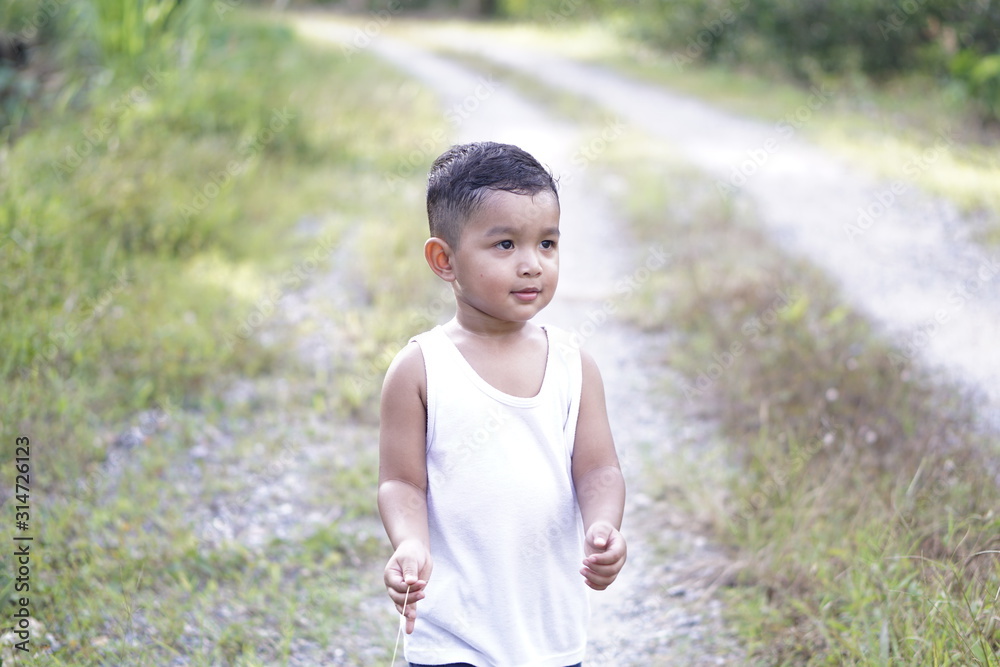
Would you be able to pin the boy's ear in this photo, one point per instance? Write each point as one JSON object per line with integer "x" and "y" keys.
{"x": 438, "y": 254}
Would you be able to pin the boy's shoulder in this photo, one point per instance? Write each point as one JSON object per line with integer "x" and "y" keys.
{"x": 406, "y": 368}
{"x": 569, "y": 345}
{"x": 566, "y": 343}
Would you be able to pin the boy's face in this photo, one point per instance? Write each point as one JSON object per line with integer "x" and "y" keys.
{"x": 506, "y": 265}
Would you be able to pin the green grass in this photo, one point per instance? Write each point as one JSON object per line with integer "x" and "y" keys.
{"x": 148, "y": 238}
{"x": 133, "y": 29}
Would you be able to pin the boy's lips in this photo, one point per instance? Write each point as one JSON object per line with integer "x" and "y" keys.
{"x": 527, "y": 294}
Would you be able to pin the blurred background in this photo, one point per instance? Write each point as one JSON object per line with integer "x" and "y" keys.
{"x": 210, "y": 220}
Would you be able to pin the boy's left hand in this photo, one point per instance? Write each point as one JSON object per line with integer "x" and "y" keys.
{"x": 606, "y": 553}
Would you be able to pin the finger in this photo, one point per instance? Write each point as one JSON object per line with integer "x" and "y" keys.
{"x": 411, "y": 618}
{"x": 400, "y": 590}
{"x": 402, "y": 570}
{"x": 392, "y": 577}
{"x": 599, "y": 535}
{"x": 615, "y": 550}
{"x": 613, "y": 567}
{"x": 603, "y": 558}
{"x": 597, "y": 582}
{"x": 414, "y": 576}
{"x": 602, "y": 576}
{"x": 604, "y": 570}
{"x": 395, "y": 579}
{"x": 412, "y": 593}
{"x": 607, "y": 571}
{"x": 412, "y": 599}
{"x": 597, "y": 587}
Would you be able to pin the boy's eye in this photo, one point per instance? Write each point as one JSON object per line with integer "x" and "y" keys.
{"x": 505, "y": 245}
{"x": 548, "y": 244}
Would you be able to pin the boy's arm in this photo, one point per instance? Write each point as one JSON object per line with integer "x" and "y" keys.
{"x": 600, "y": 487}
{"x": 402, "y": 488}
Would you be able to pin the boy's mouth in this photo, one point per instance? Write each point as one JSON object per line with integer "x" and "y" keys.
{"x": 527, "y": 294}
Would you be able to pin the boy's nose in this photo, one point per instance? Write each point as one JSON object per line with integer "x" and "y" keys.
{"x": 530, "y": 266}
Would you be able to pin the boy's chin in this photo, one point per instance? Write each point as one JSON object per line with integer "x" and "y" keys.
{"x": 522, "y": 316}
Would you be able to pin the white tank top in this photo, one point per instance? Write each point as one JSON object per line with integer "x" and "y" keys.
{"x": 506, "y": 533}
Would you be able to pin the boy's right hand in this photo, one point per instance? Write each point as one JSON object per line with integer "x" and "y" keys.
{"x": 409, "y": 568}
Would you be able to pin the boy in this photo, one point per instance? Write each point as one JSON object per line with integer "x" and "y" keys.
{"x": 495, "y": 453}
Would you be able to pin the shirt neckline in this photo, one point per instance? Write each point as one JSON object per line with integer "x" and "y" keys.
{"x": 489, "y": 389}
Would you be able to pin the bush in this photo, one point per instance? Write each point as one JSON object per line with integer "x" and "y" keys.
{"x": 981, "y": 78}
{"x": 133, "y": 27}
{"x": 38, "y": 44}
{"x": 810, "y": 38}
{"x": 66, "y": 47}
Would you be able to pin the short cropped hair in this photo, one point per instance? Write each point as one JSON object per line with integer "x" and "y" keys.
{"x": 462, "y": 178}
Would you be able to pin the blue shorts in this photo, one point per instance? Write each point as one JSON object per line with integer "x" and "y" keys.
{"x": 465, "y": 664}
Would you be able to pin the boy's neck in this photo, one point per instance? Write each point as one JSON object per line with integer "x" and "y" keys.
{"x": 482, "y": 325}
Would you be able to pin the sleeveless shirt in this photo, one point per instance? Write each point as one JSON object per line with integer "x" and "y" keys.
{"x": 506, "y": 533}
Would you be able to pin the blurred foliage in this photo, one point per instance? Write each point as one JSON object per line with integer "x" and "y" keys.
{"x": 53, "y": 52}
{"x": 42, "y": 51}
{"x": 981, "y": 76}
{"x": 957, "y": 41}
{"x": 131, "y": 28}
{"x": 464, "y": 7}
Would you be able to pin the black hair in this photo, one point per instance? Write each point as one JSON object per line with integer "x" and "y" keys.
{"x": 464, "y": 175}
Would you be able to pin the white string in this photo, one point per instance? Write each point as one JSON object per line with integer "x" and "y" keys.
{"x": 402, "y": 624}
